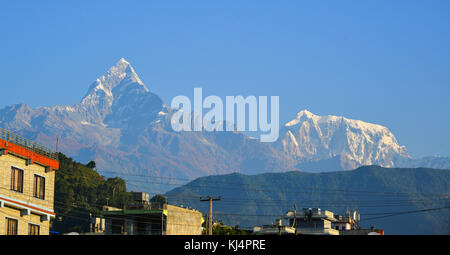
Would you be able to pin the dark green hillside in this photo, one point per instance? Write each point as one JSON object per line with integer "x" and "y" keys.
{"x": 80, "y": 190}
{"x": 374, "y": 191}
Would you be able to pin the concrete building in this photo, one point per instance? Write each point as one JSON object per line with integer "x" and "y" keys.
{"x": 97, "y": 225}
{"x": 27, "y": 179}
{"x": 274, "y": 229}
{"x": 312, "y": 221}
{"x": 144, "y": 218}
{"x": 360, "y": 232}
{"x": 347, "y": 222}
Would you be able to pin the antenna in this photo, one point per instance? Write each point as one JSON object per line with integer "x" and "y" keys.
{"x": 57, "y": 143}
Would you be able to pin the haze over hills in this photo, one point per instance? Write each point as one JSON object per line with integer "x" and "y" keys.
{"x": 126, "y": 129}
{"x": 398, "y": 200}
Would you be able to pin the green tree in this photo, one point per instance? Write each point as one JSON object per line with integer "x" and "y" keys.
{"x": 81, "y": 191}
{"x": 91, "y": 164}
{"x": 220, "y": 229}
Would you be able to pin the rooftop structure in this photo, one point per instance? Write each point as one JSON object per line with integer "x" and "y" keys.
{"x": 315, "y": 221}
{"x": 346, "y": 222}
{"x": 27, "y": 149}
{"x": 275, "y": 229}
{"x": 152, "y": 219}
{"x": 312, "y": 221}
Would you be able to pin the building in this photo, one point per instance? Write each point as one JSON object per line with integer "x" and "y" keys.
{"x": 371, "y": 231}
{"x": 312, "y": 221}
{"x": 274, "y": 229}
{"x": 27, "y": 180}
{"x": 97, "y": 225}
{"x": 144, "y": 218}
{"x": 347, "y": 222}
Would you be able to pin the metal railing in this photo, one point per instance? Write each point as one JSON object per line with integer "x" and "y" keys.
{"x": 28, "y": 144}
{"x": 147, "y": 206}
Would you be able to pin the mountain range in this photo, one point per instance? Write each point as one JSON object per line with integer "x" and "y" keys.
{"x": 351, "y": 143}
{"x": 398, "y": 200}
{"x": 126, "y": 129}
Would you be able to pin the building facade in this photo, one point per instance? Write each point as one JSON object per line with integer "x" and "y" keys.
{"x": 27, "y": 181}
{"x": 312, "y": 221}
{"x": 275, "y": 229}
{"x": 144, "y": 218}
{"x": 315, "y": 221}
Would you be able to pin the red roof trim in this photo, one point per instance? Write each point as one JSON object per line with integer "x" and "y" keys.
{"x": 29, "y": 154}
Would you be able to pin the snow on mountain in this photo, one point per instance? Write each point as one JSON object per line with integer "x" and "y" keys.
{"x": 118, "y": 90}
{"x": 113, "y": 102}
{"x": 310, "y": 137}
{"x": 125, "y": 128}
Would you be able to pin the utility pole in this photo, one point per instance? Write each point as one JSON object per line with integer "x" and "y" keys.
{"x": 210, "y": 200}
{"x": 295, "y": 219}
{"x": 280, "y": 224}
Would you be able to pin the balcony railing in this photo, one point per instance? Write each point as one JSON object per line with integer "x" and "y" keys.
{"x": 147, "y": 206}
{"x": 28, "y": 144}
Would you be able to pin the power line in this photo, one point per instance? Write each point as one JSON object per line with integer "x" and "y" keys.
{"x": 266, "y": 185}
{"x": 386, "y": 214}
{"x": 408, "y": 212}
{"x": 306, "y": 190}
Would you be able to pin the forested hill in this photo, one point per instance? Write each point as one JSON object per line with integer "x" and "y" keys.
{"x": 80, "y": 190}
{"x": 399, "y": 200}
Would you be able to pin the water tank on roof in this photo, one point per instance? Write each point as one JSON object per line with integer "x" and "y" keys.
{"x": 141, "y": 196}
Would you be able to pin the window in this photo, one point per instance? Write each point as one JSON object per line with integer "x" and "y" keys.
{"x": 16, "y": 179}
{"x": 11, "y": 226}
{"x": 117, "y": 226}
{"x": 33, "y": 230}
{"x": 39, "y": 187}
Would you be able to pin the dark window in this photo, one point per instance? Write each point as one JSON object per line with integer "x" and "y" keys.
{"x": 141, "y": 228}
{"x": 33, "y": 230}
{"x": 16, "y": 179}
{"x": 39, "y": 187}
{"x": 11, "y": 226}
{"x": 117, "y": 226}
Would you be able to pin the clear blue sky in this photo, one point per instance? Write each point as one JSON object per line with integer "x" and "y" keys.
{"x": 385, "y": 62}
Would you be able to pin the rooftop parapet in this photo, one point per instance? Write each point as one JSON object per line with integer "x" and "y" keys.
{"x": 29, "y": 150}
{"x": 314, "y": 213}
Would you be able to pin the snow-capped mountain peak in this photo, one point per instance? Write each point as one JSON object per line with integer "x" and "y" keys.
{"x": 126, "y": 128}
{"x": 121, "y": 74}
{"x": 313, "y": 137}
{"x": 119, "y": 88}
{"x": 300, "y": 115}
